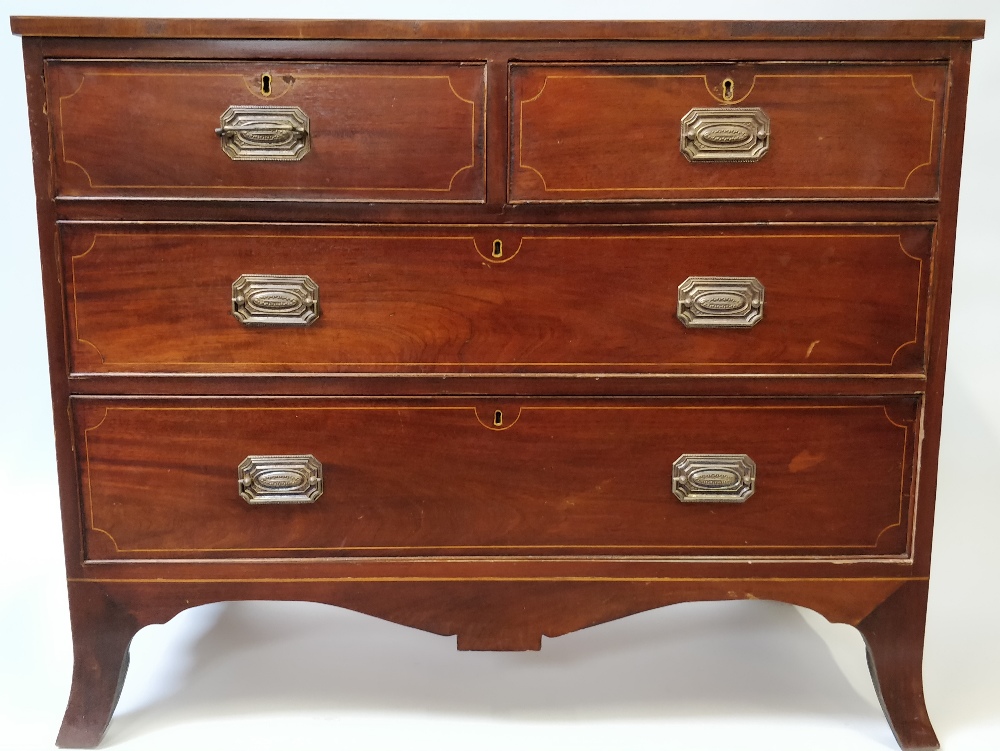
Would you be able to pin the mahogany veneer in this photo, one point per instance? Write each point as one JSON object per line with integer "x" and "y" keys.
{"x": 379, "y": 132}
{"x": 840, "y": 299}
{"x": 556, "y": 477}
{"x": 575, "y": 131}
{"x": 497, "y": 330}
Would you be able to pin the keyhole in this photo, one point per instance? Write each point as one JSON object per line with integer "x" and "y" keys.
{"x": 497, "y": 253}
{"x": 727, "y": 89}
{"x": 265, "y": 84}
{"x": 498, "y": 418}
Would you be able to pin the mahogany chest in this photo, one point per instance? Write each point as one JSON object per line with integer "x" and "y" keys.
{"x": 494, "y": 329}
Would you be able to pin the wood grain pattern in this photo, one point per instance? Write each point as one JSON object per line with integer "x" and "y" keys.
{"x": 494, "y": 384}
{"x": 410, "y": 300}
{"x": 941, "y": 302}
{"x": 894, "y": 635}
{"x": 441, "y": 478}
{"x": 377, "y": 132}
{"x": 495, "y": 212}
{"x": 482, "y": 615}
{"x": 233, "y": 28}
{"x": 103, "y": 628}
{"x": 432, "y": 516}
{"x": 603, "y": 132}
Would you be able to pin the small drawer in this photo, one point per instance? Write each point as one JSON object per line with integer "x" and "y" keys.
{"x": 350, "y": 132}
{"x": 186, "y": 478}
{"x": 627, "y": 132}
{"x": 809, "y": 299}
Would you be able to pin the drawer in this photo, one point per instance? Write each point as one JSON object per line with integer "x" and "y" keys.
{"x": 626, "y": 132}
{"x": 437, "y": 299}
{"x": 482, "y": 478}
{"x": 350, "y": 132}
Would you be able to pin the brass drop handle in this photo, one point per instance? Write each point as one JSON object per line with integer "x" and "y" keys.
{"x": 720, "y": 302}
{"x": 725, "y": 134}
{"x": 269, "y": 479}
{"x": 257, "y": 129}
{"x": 713, "y": 478}
{"x": 275, "y": 300}
{"x": 264, "y": 133}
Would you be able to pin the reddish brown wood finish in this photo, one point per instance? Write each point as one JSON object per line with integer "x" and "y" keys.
{"x": 613, "y": 298}
{"x": 893, "y": 633}
{"x": 233, "y": 28}
{"x": 439, "y": 478}
{"x": 102, "y": 631}
{"x": 838, "y": 299}
{"x": 773, "y": 212}
{"x": 610, "y": 132}
{"x": 377, "y": 132}
{"x": 483, "y": 615}
{"x": 940, "y": 309}
{"x": 496, "y": 385}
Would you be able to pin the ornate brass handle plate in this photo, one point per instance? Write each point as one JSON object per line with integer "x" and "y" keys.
{"x": 713, "y": 478}
{"x": 275, "y": 300}
{"x": 256, "y": 132}
{"x": 716, "y": 302}
{"x": 280, "y": 479}
{"x": 725, "y": 134}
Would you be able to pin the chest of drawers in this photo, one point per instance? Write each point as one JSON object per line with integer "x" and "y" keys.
{"x": 496, "y": 330}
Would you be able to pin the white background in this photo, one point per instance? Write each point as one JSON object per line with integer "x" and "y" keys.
{"x": 697, "y": 677}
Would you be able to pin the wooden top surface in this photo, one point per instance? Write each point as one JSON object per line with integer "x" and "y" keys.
{"x": 206, "y": 28}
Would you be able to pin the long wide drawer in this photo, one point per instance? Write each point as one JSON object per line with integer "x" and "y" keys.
{"x": 627, "y": 132}
{"x": 207, "y": 298}
{"x": 187, "y": 478}
{"x": 274, "y": 129}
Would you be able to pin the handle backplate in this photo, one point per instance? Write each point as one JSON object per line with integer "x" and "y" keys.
{"x": 262, "y": 133}
{"x": 725, "y": 134}
{"x": 280, "y": 479}
{"x": 275, "y": 300}
{"x": 720, "y": 302}
{"x": 713, "y": 478}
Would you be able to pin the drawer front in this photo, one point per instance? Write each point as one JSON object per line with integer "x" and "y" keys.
{"x": 191, "y": 478}
{"x": 353, "y": 132}
{"x": 437, "y": 299}
{"x": 665, "y": 132}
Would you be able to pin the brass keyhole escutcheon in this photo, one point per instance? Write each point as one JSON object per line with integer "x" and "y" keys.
{"x": 498, "y": 252}
{"x": 498, "y": 415}
{"x": 728, "y": 89}
{"x": 265, "y": 84}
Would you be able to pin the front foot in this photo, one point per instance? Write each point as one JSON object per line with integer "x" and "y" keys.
{"x": 894, "y": 635}
{"x": 102, "y": 632}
